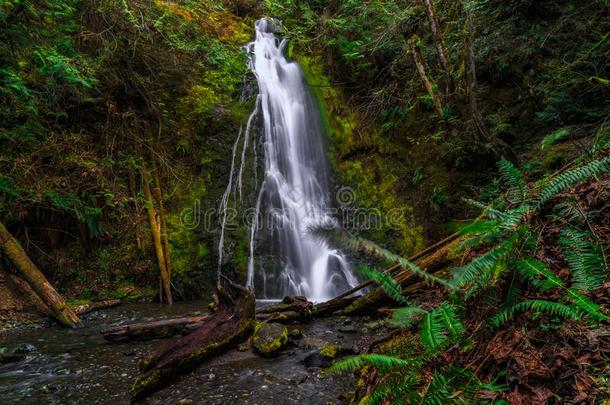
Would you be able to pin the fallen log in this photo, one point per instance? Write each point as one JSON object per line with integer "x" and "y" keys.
{"x": 94, "y": 306}
{"x": 39, "y": 283}
{"x": 289, "y": 310}
{"x": 231, "y": 324}
{"x": 392, "y": 269}
{"x": 299, "y": 309}
{"x": 153, "y": 330}
{"x": 433, "y": 261}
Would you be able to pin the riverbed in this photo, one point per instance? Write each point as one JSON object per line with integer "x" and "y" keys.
{"x": 78, "y": 366}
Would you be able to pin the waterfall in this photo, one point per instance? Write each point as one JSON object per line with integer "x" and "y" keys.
{"x": 295, "y": 192}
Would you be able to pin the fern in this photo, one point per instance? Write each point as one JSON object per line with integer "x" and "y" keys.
{"x": 481, "y": 269}
{"x": 406, "y": 316}
{"x": 452, "y": 322}
{"x": 513, "y": 179}
{"x": 380, "y": 361}
{"x": 554, "y": 137}
{"x": 432, "y": 333}
{"x": 389, "y": 285}
{"x": 552, "y": 308}
{"x": 571, "y": 178}
{"x": 585, "y": 259}
{"x": 532, "y": 268}
{"x": 440, "y": 326}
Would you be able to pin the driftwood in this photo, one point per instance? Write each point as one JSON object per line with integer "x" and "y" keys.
{"x": 94, "y": 306}
{"x": 153, "y": 330}
{"x": 231, "y": 324}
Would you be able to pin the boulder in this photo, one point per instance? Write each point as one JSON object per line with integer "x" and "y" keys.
{"x": 269, "y": 338}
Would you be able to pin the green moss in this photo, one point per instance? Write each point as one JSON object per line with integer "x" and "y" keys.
{"x": 330, "y": 351}
{"x": 269, "y": 338}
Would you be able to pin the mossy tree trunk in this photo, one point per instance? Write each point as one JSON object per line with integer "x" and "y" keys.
{"x": 155, "y": 229}
{"x": 39, "y": 283}
{"x": 437, "y": 37}
{"x": 162, "y": 221}
{"x": 421, "y": 70}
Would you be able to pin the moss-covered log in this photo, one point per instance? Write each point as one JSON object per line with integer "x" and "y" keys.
{"x": 39, "y": 283}
{"x": 231, "y": 324}
{"x": 95, "y": 306}
{"x": 153, "y": 330}
{"x": 432, "y": 263}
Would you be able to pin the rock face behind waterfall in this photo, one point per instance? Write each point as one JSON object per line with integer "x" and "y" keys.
{"x": 295, "y": 192}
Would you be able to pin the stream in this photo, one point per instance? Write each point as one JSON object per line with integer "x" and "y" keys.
{"x": 78, "y": 366}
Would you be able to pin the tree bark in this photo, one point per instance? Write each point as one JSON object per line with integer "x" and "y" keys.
{"x": 437, "y": 37}
{"x": 163, "y": 222}
{"x": 156, "y": 234}
{"x": 232, "y": 323}
{"x": 56, "y": 303}
{"x": 153, "y": 330}
{"x": 132, "y": 186}
{"x": 421, "y": 70}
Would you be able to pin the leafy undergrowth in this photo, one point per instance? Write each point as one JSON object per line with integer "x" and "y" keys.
{"x": 524, "y": 319}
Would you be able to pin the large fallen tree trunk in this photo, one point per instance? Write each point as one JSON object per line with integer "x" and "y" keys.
{"x": 39, "y": 283}
{"x": 232, "y": 323}
{"x": 153, "y": 330}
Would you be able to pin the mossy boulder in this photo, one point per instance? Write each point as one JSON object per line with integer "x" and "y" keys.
{"x": 269, "y": 338}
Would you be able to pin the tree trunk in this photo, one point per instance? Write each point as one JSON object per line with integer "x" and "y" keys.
{"x": 419, "y": 63}
{"x": 153, "y": 330}
{"x": 56, "y": 303}
{"x": 436, "y": 36}
{"x": 163, "y": 223}
{"x": 231, "y": 324}
{"x": 132, "y": 186}
{"x": 156, "y": 234}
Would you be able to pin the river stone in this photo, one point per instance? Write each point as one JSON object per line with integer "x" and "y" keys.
{"x": 269, "y": 338}
{"x": 25, "y": 348}
{"x": 316, "y": 359}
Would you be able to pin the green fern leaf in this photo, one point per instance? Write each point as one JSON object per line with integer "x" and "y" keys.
{"x": 571, "y": 178}
{"x": 387, "y": 282}
{"x": 514, "y": 180}
{"x": 405, "y": 317}
{"x": 380, "y": 361}
{"x": 549, "y": 307}
{"x": 432, "y": 332}
{"x": 585, "y": 259}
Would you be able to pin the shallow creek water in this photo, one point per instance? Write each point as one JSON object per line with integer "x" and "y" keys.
{"x": 78, "y": 366}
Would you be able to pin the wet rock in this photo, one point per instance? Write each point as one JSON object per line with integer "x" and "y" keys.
{"x": 11, "y": 358}
{"x": 348, "y": 329}
{"x": 25, "y": 348}
{"x": 269, "y": 338}
{"x": 243, "y": 347}
{"x": 316, "y": 360}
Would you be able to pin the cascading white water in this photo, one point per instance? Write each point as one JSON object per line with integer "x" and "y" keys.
{"x": 295, "y": 191}
{"x": 294, "y": 195}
